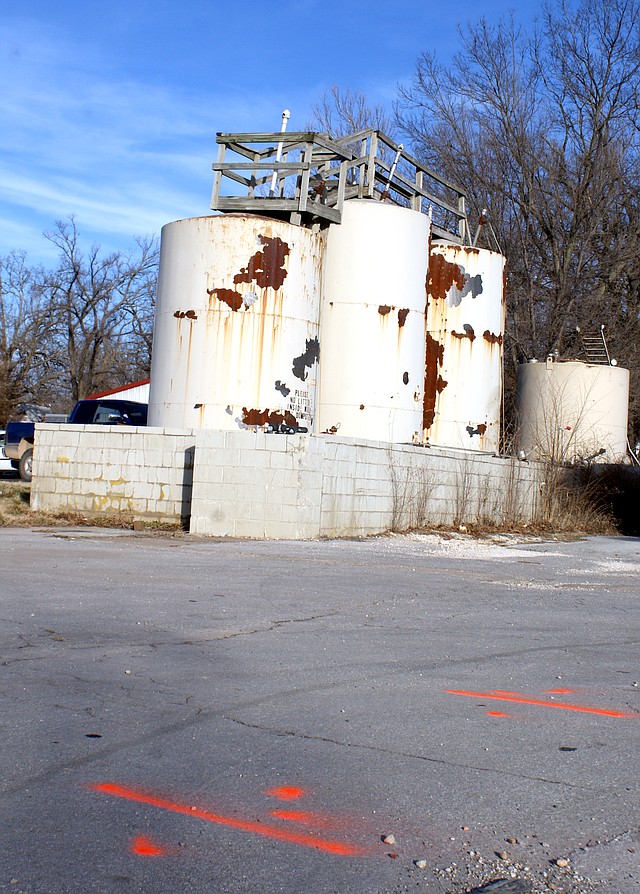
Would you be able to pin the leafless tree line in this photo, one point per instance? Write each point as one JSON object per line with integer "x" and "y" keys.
{"x": 540, "y": 127}
{"x": 82, "y": 327}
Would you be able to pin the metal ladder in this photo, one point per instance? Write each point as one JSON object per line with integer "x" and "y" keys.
{"x": 594, "y": 346}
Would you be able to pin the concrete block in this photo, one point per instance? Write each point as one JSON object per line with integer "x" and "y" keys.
{"x": 244, "y": 475}
{"x": 278, "y": 530}
{"x": 259, "y": 459}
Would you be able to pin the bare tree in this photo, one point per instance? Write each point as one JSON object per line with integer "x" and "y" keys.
{"x": 29, "y": 369}
{"x": 541, "y": 129}
{"x": 341, "y": 112}
{"x": 103, "y": 306}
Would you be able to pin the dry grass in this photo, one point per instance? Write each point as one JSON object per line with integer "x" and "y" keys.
{"x": 16, "y": 512}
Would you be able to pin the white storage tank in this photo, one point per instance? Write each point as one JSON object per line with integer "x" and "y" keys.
{"x": 236, "y": 328}
{"x": 372, "y": 324}
{"x": 572, "y": 410}
{"x": 464, "y": 347}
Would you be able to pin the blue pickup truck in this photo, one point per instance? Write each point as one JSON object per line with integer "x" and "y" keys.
{"x": 20, "y": 436}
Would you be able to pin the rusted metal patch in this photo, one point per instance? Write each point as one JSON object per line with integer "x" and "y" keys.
{"x": 478, "y": 430}
{"x": 266, "y": 267}
{"x": 492, "y": 338}
{"x": 282, "y": 388}
{"x": 305, "y": 361}
{"x": 268, "y": 417}
{"x": 468, "y": 332}
{"x": 434, "y": 384}
{"x": 442, "y": 275}
{"x": 450, "y": 282}
{"x": 384, "y": 309}
{"x": 232, "y": 299}
{"x": 189, "y": 314}
{"x": 403, "y": 313}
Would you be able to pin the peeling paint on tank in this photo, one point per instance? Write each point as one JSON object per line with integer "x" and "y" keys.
{"x": 268, "y": 417}
{"x": 403, "y": 313}
{"x": 468, "y": 332}
{"x": 305, "y": 361}
{"x": 384, "y": 309}
{"x": 480, "y": 429}
{"x": 282, "y": 388}
{"x": 189, "y": 314}
{"x": 266, "y": 267}
{"x": 405, "y": 378}
{"x": 450, "y": 282}
{"x": 228, "y": 296}
{"x": 492, "y": 338}
{"x": 442, "y": 275}
{"x": 434, "y": 384}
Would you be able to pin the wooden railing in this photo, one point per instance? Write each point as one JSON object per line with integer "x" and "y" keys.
{"x": 307, "y": 176}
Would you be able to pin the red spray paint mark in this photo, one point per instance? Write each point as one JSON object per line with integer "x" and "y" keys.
{"x": 559, "y": 691}
{"x": 499, "y": 695}
{"x": 302, "y": 839}
{"x": 498, "y": 714}
{"x": 145, "y": 847}
{"x": 286, "y": 792}
{"x": 305, "y": 818}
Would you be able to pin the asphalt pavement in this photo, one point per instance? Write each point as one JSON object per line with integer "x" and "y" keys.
{"x": 400, "y": 714}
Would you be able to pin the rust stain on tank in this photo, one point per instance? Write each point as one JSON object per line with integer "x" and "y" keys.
{"x": 468, "y": 332}
{"x": 189, "y": 314}
{"x": 231, "y": 298}
{"x": 403, "y": 313}
{"x": 268, "y": 417}
{"x": 442, "y": 275}
{"x": 384, "y": 309}
{"x": 266, "y": 267}
{"x": 434, "y": 384}
{"x": 492, "y": 338}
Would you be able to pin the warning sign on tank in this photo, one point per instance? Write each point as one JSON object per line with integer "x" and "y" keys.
{"x": 299, "y": 403}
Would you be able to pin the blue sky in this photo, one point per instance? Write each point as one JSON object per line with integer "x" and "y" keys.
{"x": 108, "y": 110}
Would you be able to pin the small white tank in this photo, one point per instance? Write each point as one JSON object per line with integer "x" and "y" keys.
{"x": 372, "y": 323}
{"x": 465, "y": 327}
{"x": 236, "y": 328}
{"x": 570, "y": 410}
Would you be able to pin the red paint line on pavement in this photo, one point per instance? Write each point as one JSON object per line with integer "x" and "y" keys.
{"x": 498, "y": 695}
{"x": 300, "y": 838}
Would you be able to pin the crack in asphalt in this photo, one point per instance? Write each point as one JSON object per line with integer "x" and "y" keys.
{"x": 412, "y": 756}
{"x": 222, "y": 635}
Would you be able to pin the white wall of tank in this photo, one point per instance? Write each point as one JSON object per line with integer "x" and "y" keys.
{"x": 465, "y": 326}
{"x": 570, "y": 410}
{"x": 372, "y": 323}
{"x": 237, "y": 323}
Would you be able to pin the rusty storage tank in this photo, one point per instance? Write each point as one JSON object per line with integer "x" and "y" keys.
{"x": 236, "y": 327}
{"x": 570, "y": 410}
{"x": 465, "y": 326}
{"x": 372, "y": 322}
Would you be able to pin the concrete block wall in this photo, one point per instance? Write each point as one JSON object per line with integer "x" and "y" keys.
{"x": 97, "y": 469}
{"x": 251, "y": 484}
